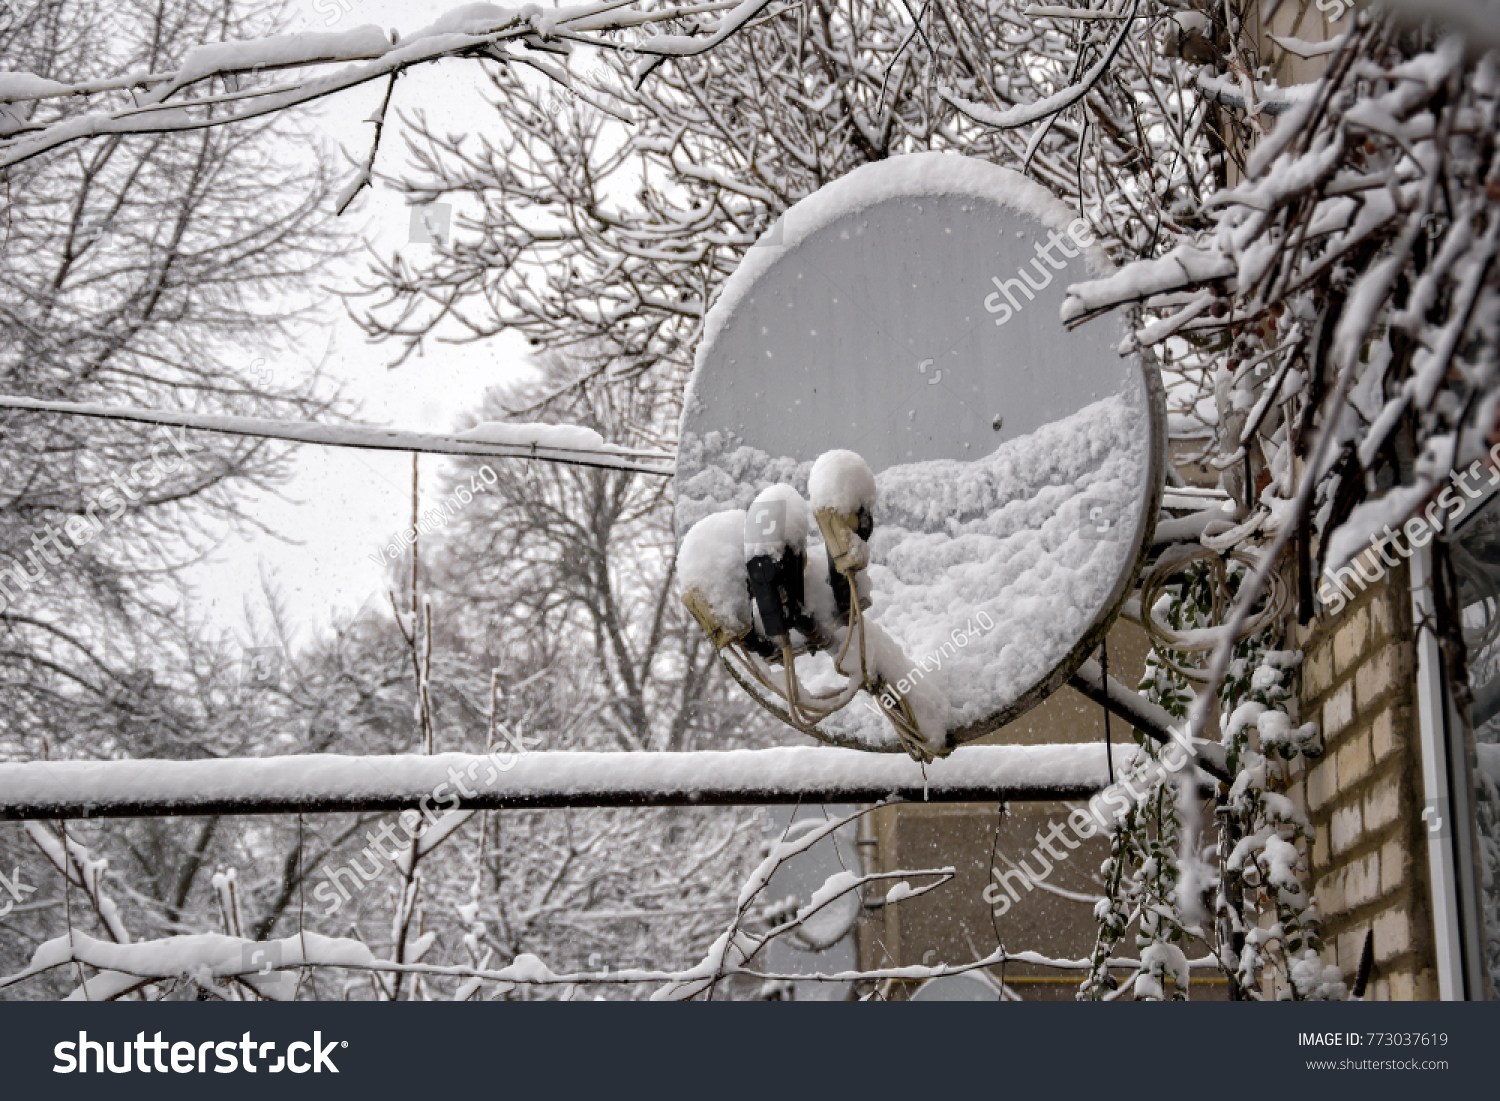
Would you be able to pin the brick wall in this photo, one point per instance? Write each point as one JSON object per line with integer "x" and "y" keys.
{"x": 1369, "y": 862}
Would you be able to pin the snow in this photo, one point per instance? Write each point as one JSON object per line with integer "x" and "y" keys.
{"x": 1488, "y": 759}
{"x": 711, "y": 562}
{"x": 906, "y": 177}
{"x": 1183, "y": 266}
{"x": 885, "y": 656}
{"x": 201, "y": 955}
{"x": 479, "y": 23}
{"x": 1268, "y": 97}
{"x": 830, "y": 913}
{"x": 317, "y": 780}
{"x": 1280, "y": 859}
{"x": 794, "y": 843}
{"x": 469, "y": 19}
{"x": 15, "y": 85}
{"x": 534, "y": 434}
{"x": 1244, "y": 715}
{"x": 281, "y": 50}
{"x": 842, "y": 481}
{"x": 1193, "y": 22}
{"x": 902, "y": 890}
{"x": 1288, "y": 177}
{"x": 682, "y": 45}
{"x": 1276, "y": 729}
{"x": 528, "y": 968}
{"x": 1433, "y": 68}
{"x": 1002, "y": 540}
{"x": 1025, "y": 113}
{"x": 1315, "y": 980}
{"x": 83, "y": 869}
{"x": 1303, "y": 48}
{"x": 1368, "y": 521}
{"x": 546, "y": 442}
{"x": 1170, "y": 960}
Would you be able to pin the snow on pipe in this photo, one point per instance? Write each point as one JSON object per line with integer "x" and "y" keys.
{"x": 1269, "y": 100}
{"x": 553, "y": 443}
{"x": 327, "y": 783}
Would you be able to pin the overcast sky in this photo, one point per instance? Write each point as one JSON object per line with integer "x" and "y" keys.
{"x": 347, "y": 503}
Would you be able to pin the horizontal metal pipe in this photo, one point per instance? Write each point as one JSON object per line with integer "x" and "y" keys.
{"x": 658, "y": 463}
{"x": 326, "y": 784}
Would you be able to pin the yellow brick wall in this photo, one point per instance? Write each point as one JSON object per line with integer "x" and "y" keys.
{"x": 1369, "y": 866}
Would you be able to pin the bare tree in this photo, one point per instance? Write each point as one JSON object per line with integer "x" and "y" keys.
{"x": 577, "y": 566}
{"x": 146, "y": 270}
{"x": 617, "y": 234}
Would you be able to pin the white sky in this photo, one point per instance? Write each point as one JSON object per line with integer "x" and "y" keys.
{"x": 344, "y": 504}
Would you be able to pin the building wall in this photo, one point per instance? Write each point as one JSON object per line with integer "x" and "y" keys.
{"x": 1367, "y": 866}
{"x": 1369, "y": 861}
{"x": 954, "y": 924}
{"x": 1303, "y": 20}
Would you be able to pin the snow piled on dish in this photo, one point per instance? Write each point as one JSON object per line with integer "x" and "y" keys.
{"x": 1012, "y": 539}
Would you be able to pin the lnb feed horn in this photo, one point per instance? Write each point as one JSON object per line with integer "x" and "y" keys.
{"x": 703, "y": 611}
{"x": 715, "y": 586}
{"x": 776, "y": 586}
{"x": 842, "y": 488}
{"x": 846, "y": 536}
{"x": 775, "y": 555}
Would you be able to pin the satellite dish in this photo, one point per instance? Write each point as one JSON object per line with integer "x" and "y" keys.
{"x": 966, "y": 986}
{"x": 909, "y": 313}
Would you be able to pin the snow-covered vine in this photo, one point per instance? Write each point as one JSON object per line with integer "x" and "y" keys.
{"x": 1249, "y": 903}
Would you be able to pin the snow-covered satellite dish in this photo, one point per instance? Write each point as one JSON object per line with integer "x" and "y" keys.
{"x": 909, "y": 312}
